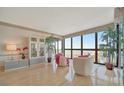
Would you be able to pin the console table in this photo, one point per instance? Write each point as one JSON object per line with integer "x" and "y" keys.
{"x": 17, "y": 63}
{"x": 12, "y": 64}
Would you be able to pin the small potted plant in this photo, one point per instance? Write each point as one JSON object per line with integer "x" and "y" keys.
{"x": 21, "y": 52}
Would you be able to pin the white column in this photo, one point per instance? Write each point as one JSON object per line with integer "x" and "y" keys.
{"x": 118, "y": 20}
{"x": 123, "y": 43}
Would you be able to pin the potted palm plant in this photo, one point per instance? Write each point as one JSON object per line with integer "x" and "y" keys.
{"x": 109, "y": 49}
{"x": 50, "y": 47}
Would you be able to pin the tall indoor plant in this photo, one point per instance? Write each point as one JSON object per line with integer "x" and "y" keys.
{"x": 109, "y": 49}
{"x": 50, "y": 47}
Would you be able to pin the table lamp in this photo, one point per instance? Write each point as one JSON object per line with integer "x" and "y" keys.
{"x": 11, "y": 48}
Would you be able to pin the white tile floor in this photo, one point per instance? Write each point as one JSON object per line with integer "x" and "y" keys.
{"x": 42, "y": 74}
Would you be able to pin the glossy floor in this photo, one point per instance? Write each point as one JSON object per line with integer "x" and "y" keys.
{"x": 42, "y": 74}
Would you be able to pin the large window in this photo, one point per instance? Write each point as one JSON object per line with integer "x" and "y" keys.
{"x": 76, "y": 53}
{"x": 100, "y": 54}
{"x": 89, "y": 41}
{"x": 87, "y": 44}
{"x": 91, "y": 52}
{"x": 76, "y": 42}
{"x": 79, "y": 45}
{"x": 99, "y": 39}
{"x": 100, "y": 57}
{"x": 76, "y": 46}
{"x": 58, "y": 46}
{"x": 68, "y": 43}
{"x": 68, "y": 53}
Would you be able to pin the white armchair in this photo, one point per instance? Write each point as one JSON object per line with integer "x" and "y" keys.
{"x": 63, "y": 61}
{"x": 83, "y": 65}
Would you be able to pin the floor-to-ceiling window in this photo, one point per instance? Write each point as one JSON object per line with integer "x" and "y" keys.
{"x": 89, "y": 45}
{"x": 68, "y": 51}
{"x": 76, "y": 46}
{"x": 80, "y": 45}
{"x": 58, "y": 46}
{"x": 100, "y": 57}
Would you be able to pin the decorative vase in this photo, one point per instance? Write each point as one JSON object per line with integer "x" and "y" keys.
{"x": 23, "y": 56}
{"x": 49, "y": 59}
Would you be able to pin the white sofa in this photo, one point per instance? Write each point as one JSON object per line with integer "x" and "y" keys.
{"x": 83, "y": 65}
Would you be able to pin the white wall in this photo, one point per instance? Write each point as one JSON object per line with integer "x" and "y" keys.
{"x": 11, "y": 35}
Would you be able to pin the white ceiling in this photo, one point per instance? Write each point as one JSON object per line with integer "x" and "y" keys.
{"x": 60, "y": 21}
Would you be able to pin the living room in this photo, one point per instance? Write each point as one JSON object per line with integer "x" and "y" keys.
{"x": 61, "y": 46}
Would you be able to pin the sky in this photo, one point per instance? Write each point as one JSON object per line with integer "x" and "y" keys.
{"x": 88, "y": 41}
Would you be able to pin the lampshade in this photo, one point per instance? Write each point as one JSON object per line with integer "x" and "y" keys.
{"x": 11, "y": 47}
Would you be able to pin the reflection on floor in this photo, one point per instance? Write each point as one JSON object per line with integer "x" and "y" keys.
{"x": 42, "y": 74}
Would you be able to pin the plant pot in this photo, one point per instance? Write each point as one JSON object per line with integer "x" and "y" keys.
{"x": 109, "y": 66}
{"x": 23, "y": 56}
{"x": 49, "y": 59}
